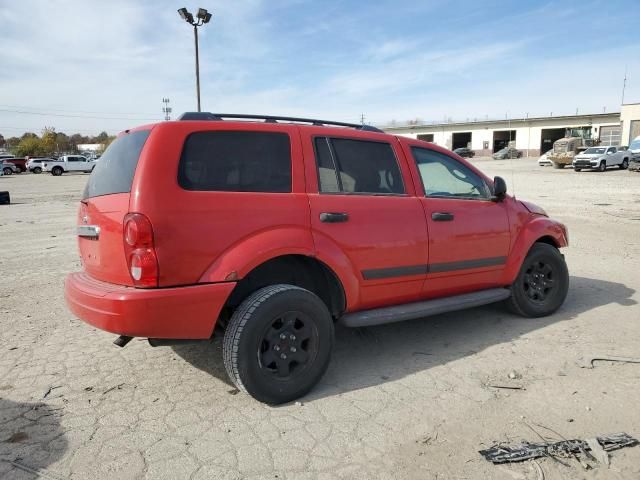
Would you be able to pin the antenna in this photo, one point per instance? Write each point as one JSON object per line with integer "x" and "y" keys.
{"x": 624, "y": 84}
{"x": 166, "y": 109}
{"x": 362, "y": 117}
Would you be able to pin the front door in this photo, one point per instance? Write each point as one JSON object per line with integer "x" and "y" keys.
{"x": 468, "y": 232}
{"x": 363, "y": 205}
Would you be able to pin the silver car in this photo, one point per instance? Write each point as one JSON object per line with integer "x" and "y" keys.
{"x": 9, "y": 168}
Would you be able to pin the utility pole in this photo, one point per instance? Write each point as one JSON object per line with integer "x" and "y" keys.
{"x": 624, "y": 84}
{"x": 166, "y": 109}
{"x": 362, "y": 119}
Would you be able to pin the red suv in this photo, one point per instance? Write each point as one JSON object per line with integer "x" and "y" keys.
{"x": 274, "y": 228}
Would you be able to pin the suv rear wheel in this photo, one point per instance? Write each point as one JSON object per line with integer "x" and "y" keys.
{"x": 37, "y": 170}
{"x": 542, "y": 283}
{"x": 278, "y": 343}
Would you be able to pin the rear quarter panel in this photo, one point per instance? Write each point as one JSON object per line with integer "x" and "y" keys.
{"x": 205, "y": 236}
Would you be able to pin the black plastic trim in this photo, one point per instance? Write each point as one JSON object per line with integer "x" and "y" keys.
{"x": 379, "y": 273}
{"x": 463, "y": 265}
{"x": 395, "y": 272}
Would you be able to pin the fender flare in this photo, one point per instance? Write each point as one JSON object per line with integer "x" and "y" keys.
{"x": 250, "y": 252}
{"x": 538, "y": 228}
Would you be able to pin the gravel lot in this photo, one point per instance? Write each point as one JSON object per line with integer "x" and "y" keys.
{"x": 402, "y": 401}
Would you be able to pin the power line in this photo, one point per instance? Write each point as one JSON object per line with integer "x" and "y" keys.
{"x": 23, "y": 107}
{"x": 22, "y": 112}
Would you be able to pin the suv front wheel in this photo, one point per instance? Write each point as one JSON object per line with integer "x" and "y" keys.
{"x": 278, "y": 343}
{"x": 542, "y": 283}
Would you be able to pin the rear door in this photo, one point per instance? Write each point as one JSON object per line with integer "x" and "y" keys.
{"x": 104, "y": 204}
{"x": 363, "y": 205}
{"x": 469, "y": 234}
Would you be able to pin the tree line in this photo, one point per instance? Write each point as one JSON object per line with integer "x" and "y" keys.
{"x": 50, "y": 142}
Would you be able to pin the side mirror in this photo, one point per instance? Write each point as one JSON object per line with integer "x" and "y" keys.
{"x": 499, "y": 189}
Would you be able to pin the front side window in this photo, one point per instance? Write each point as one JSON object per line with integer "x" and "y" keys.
{"x": 236, "y": 162}
{"x": 443, "y": 176}
{"x": 612, "y": 150}
{"x": 357, "y": 166}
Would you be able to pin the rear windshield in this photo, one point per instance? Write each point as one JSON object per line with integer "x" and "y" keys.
{"x": 114, "y": 170}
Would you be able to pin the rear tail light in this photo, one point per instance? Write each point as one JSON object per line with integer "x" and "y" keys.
{"x": 140, "y": 250}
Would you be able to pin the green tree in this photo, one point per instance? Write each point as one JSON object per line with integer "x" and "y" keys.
{"x": 31, "y": 146}
{"x": 48, "y": 141}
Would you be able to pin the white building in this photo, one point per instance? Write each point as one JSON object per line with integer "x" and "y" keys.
{"x": 90, "y": 147}
{"x": 531, "y": 135}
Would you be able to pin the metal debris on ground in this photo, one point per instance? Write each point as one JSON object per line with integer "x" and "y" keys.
{"x": 564, "y": 449}
{"x": 588, "y": 362}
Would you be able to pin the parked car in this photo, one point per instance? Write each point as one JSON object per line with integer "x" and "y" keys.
{"x": 273, "y": 230}
{"x": 634, "y": 148}
{"x": 9, "y": 168}
{"x": 601, "y": 157}
{"x": 464, "y": 152}
{"x": 4, "y": 156}
{"x": 68, "y": 163}
{"x": 21, "y": 163}
{"x": 544, "y": 159}
{"x": 507, "y": 152}
{"x": 34, "y": 165}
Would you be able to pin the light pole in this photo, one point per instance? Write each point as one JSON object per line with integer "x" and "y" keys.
{"x": 202, "y": 17}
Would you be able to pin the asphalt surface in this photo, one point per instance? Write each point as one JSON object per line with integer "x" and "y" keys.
{"x": 415, "y": 400}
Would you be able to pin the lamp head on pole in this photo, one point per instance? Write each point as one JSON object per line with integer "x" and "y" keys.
{"x": 185, "y": 15}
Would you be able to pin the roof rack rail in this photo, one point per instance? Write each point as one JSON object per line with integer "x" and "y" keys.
{"x": 272, "y": 119}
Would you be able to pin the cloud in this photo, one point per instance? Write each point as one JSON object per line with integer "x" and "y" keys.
{"x": 329, "y": 59}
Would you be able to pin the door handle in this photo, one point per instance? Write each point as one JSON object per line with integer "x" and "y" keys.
{"x": 441, "y": 216}
{"x": 333, "y": 217}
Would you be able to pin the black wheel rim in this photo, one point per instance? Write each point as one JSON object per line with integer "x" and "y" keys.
{"x": 288, "y": 346}
{"x": 539, "y": 282}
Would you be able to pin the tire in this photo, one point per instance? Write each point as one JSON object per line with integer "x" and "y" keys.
{"x": 558, "y": 165}
{"x": 56, "y": 171}
{"x": 577, "y": 169}
{"x": 603, "y": 166}
{"x": 7, "y": 171}
{"x": 542, "y": 283}
{"x": 37, "y": 170}
{"x": 624, "y": 165}
{"x": 285, "y": 319}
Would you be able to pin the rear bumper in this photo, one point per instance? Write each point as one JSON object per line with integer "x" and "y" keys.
{"x": 181, "y": 312}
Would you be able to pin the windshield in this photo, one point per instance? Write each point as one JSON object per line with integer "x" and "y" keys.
{"x": 598, "y": 151}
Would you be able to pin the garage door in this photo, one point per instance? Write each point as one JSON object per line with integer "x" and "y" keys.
{"x": 610, "y": 135}
{"x": 634, "y": 131}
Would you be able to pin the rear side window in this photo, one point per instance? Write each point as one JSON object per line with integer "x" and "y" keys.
{"x": 357, "y": 166}
{"x": 236, "y": 162}
{"x": 114, "y": 171}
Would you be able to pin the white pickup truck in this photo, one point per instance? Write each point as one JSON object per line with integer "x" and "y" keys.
{"x": 69, "y": 163}
{"x": 599, "y": 158}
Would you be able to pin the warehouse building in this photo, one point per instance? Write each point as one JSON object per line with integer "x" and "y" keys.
{"x": 532, "y": 136}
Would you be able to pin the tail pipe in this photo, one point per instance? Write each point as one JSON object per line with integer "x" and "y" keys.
{"x": 122, "y": 341}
